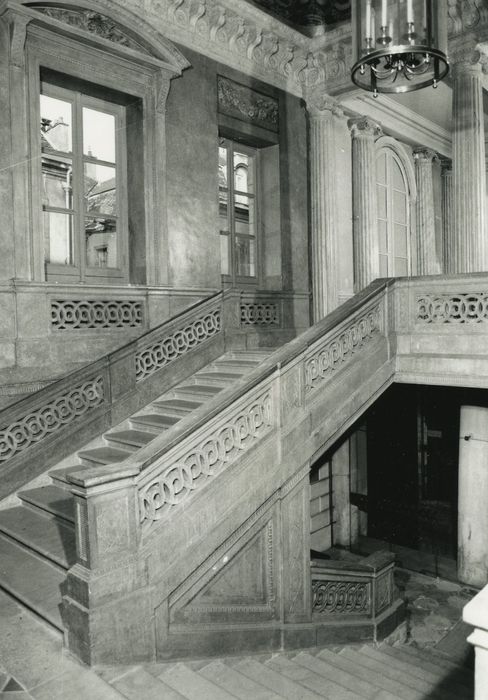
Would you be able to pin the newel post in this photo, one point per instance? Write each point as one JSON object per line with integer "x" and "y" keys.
{"x": 106, "y": 603}
{"x": 476, "y": 613}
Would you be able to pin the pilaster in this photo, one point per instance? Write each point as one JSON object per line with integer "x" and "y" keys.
{"x": 447, "y": 223}
{"x": 322, "y": 111}
{"x": 466, "y": 243}
{"x": 364, "y": 133}
{"x": 427, "y": 256}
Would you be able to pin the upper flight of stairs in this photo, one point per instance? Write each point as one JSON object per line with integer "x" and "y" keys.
{"x": 351, "y": 673}
{"x": 37, "y": 538}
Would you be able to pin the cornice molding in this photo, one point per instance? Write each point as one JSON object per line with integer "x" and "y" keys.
{"x": 400, "y": 121}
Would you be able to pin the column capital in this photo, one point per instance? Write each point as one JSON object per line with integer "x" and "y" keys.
{"x": 468, "y": 58}
{"x": 320, "y": 104}
{"x": 446, "y": 166}
{"x": 424, "y": 155}
{"x": 364, "y": 126}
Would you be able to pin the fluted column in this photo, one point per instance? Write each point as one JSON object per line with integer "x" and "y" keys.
{"x": 449, "y": 264}
{"x": 323, "y": 188}
{"x": 467, "y": 236}
{"x": 364, "y": 201}
{"x": 427, "y": 256}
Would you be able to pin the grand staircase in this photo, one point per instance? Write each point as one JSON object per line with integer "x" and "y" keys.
{"x": 350, "y": 673}
{"x": 37, "y": 537}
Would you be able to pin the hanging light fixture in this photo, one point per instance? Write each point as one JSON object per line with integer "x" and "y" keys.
{"x": 399, "y": 45}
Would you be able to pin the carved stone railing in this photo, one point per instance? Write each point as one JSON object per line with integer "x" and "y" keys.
{"x": 476, "y": 613}
{"x": 86, "y": 314}
{"x": 352, "y": 590}
{"x": 51, "y": 423}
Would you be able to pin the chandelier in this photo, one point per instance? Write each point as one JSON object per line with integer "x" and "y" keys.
{"x": 399, "y": 45}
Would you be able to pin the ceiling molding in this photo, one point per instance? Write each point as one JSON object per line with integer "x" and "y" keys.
{"x": 400, "y": 121}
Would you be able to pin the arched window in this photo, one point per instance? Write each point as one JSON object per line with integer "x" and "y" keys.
{"x": 393, "y": 197}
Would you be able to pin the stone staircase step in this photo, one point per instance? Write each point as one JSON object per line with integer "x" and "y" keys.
{"x": 217, "y": 377}
{"x": 421, "y": 655}
{"x": 379, "y": 679}
{"x": 130, "y": 438}
{"x": 60, "y": 476}
{"x": 50, "y": 499}
{"x": 177, "y": 407}
{"x": 275, "y": 681}
{"x": 157, "y": 422}
{"x": 138, "y": 684}
{"x": 361, "y": 687}
{"x": 310, "y": 679}
{"x": 50, "y": 537}
{"x": 32, "y": 581}
{"x": 454, "y": 690}
{"x": 197, "y": 391}
{"x": 236, "y": 683}
{"x": 237, "y": 363}
{"x": 103, "y": 455}
{"x": 407, "y": 680}
{"x": 192, "y": 685}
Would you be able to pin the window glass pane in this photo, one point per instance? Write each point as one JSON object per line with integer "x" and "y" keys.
{"x": 383, "y": 266}
{"x": 401, "y": 267}
{"x": 98, "y": 134}
{"x": 223, "y": 210}
{"x": 398, "y": 181}
{"x": 399, "y": 207}
{"x": 58, "y": 238}
{"x": 57, "y": 183}
{"x": 223, "y": 181}
{"x": 243, "y": 172}
{"x": 382, "y": 194}
{"x": 381, "y": 169}
{"x": 244, "y": 215}
{"x": 224, "y": 254}
{"x": 101, "y": 242}
{"x": 383, "y": 237}
{"x": 100, "y": 189}
{"x": 56, "y": 125}
{"x": 245, "y": 262}
{"x": 401, "y": 240}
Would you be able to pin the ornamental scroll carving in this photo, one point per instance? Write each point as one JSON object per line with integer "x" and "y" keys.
{"x": 335, "y": 353}
{"x": 95, "y": 23}
{"x": 260, "y": 314}
{"x": 161, "y": 353}
{"x": 341, "y": 597}
{"x": 54, "y": 415}
{"x": 196, "y": 466}
{"x": 70, "y": 314}
{"x": 471, "y": 307}
{"x": 241, "y": 102}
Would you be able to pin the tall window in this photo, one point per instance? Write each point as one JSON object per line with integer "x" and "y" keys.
{"x": 393, "y": 215}
{"x": 83, "y": 167}
{"x": 238, "y": 212}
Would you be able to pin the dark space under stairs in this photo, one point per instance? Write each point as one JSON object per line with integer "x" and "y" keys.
{"x": 37, "y": 537}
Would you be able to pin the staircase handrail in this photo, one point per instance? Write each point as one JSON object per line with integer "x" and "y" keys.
{"x": 476, "y": 613}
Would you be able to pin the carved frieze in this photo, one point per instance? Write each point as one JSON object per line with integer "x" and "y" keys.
{"x": 341, "y": 597}
{"x": 243, "y": 103}
{"x": 86, "y": 314}
{"x": 453, "y": 308}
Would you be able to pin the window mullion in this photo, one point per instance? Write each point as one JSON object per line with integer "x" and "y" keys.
{"x": 79, "y": 224}
{"x": 232, "y": 231}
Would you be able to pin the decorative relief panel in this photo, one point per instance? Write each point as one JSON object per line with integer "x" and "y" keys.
{"x": 341, "y": 597}
{"x": 71, "y": 314}
{"x": 384, "y": 592}
{"x": 207, "y": 459}
{"x": 246, "y": 104}
{"x": 181, "y": 341}
{"x": 335, "y": 353}
{"x": 60, "y": 411}
{"x": 260, "y": 314}
{"x": 471, "y": 307}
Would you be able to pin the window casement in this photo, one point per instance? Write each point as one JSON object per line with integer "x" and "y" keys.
{"x": 83, "y": 186}
{"x": 238, "y": 213}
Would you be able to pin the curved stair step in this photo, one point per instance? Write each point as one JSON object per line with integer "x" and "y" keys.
{"x": 50, "y": 499}
{"x": 191, "y": 685}
{"x": 310, "y": 679}
{"x": 48, "y": 537}
{"x": 32, "y": 581}
{"x": 234, "y": 682}
{"x": 138, "y": 684}
{"x": 430, "y": 662}
{"x": 271, "y": 679}
{"x": 435, "y": 658}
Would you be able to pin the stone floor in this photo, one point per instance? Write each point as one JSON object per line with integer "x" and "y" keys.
{"x": 33, "y": 663}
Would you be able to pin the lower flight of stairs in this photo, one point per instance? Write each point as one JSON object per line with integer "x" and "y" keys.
{"x": 37, "y": 538}
{"x": 351, "y": 673}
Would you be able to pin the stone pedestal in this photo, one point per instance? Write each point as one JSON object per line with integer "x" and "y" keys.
{"x": 322, "y": 111}
{"x": 447, "y": 252}
{"x": 473, "y": 496}
{"x": 365, "y": 223}
{"x": 467, "y": 235}
{"x": 428, "y": 259}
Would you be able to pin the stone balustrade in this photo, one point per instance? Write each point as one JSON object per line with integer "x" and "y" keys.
{"x": 476, "y": 613}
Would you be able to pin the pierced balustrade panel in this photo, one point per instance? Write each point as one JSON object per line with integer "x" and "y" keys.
{"x": 159, "y": 354}
{"x": 260, "y": 314}
{"x": 471, "y": 307}
{"x": 338, "y": 351}
{"x": 53, "y": 416}
{"x": 194, "y": 467}
{"x": 341, "y": 597}
{"x": 72, "y": 314}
